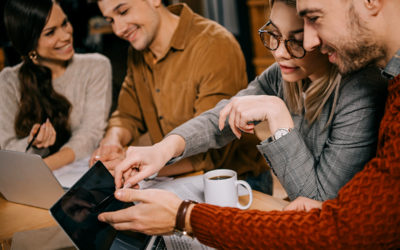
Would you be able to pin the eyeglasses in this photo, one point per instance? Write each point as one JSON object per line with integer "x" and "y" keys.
{"x": 271, "y": 41}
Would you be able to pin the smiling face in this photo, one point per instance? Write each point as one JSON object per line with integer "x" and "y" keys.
{"x": 55, "y": 41}
{"x": 339, "y": 31}
{"x": 286, "y": 23}
{"x": 136, "y": 21}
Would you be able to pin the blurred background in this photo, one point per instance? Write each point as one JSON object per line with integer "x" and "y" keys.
{"x": 92, "y": 34}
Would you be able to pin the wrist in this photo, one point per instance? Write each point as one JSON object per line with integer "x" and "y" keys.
{"x": 188, "y": 226}
{"x": 174, "y": 145}
{"x": 182, "y": 222}
{"x": 117, "y": 136}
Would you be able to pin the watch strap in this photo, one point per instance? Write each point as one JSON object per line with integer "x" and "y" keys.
{"x": 181, "y": 217}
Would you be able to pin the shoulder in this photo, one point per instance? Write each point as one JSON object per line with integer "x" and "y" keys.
{"x": 365, "y": 80}
{"x": 210, "y": 33}
{"x": 271, "y": 78}
{"x": 90, "y": 60}
{"x": 364, "y": 88}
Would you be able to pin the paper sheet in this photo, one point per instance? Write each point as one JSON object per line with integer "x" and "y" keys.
{"x": 69, "y": 174}
{"x": 186, "y": 188}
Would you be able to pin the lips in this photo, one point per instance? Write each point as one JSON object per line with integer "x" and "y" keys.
{"x": 287, "y": 69}
{"x": 65, "y": 48}
{"x": 131, "y": 34}
{"x": 332, "y": 54}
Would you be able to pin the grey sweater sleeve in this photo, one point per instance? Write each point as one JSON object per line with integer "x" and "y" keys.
{"x": 350, "y": 143}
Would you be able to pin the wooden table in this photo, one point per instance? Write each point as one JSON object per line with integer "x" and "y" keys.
{"x": 16, "y": 217}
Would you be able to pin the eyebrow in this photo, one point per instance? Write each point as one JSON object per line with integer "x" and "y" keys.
{"x": 118, "y": 6}
{"x": 304, "y": 12}
{"x": 53, "y": 27}
{"x": 290, "y": 32}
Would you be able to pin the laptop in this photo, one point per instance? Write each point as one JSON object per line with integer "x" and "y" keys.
{"x": 77, "y": 210}
{"x": 26, "y": 179}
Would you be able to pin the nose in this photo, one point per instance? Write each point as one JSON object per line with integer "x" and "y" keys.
{"x": 311, "y": 39}
{"x": 66, "y": 32}
{"x": 119, "y": 27}
{"x": 281, "y": 52}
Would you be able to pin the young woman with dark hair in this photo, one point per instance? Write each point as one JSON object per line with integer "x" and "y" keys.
{"x": 55, "y": 99}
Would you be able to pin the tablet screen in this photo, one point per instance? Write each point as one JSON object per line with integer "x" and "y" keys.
{"x": 77, "y": 210}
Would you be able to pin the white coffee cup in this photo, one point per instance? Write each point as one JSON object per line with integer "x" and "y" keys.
{"x": 221, "y": 188}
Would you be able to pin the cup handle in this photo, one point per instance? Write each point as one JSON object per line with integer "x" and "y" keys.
{"x": 247, "y": 186}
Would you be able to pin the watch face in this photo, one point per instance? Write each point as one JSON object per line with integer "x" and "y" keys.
{"x": 280, "y": 132}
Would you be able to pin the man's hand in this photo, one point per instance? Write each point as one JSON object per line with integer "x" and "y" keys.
{"x": 154, "y": 215}
{"x": 303, "y": 204}
{"x": 110, "y": 154}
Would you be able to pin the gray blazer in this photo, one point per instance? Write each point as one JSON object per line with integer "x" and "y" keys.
{"x": 311, "y": 161}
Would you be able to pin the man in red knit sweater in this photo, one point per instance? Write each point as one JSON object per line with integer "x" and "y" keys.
{"x": 366, "y": 213}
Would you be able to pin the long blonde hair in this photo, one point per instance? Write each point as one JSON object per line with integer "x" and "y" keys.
{"x": 311, "y": 96}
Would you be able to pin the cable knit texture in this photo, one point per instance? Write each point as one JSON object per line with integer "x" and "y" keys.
{"x": 366, "y": 213}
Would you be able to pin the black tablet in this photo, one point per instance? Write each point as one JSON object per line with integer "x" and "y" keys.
{"x": 77, "y": 210}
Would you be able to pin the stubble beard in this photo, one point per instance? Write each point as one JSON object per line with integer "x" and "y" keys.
{"x": 360, "y": 49}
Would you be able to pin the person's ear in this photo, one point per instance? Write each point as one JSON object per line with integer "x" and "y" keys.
{"x": 373, "y": 6}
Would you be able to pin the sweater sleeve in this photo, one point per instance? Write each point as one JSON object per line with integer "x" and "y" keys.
{"x": 349, "y": 144}
{"x": 365, "y": 214}
{"x": 9, "y": 105}
{"x": 97, "y": 102}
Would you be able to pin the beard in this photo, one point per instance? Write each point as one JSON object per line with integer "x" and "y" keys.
{"x": 359, "y": 50}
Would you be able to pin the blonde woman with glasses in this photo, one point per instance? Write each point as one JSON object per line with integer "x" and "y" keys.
{"x": 323, "y": 126}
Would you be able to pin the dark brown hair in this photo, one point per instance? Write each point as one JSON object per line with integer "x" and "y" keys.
{"x": 24, "y": 21}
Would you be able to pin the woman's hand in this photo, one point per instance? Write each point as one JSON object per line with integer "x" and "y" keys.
{"x": 46, "y": 137}
{"x": 303, "y": 204}
{"x": 244, "y": 110}
{"x": 154, "y": 215}
{"x": 142, "y": 162}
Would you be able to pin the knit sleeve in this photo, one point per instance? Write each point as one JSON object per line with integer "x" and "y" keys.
{"x": 95, "y": 103}
{"x": 365, "y": 213}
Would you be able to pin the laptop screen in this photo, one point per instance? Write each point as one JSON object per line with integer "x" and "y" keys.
{"x": 77, "y": 210}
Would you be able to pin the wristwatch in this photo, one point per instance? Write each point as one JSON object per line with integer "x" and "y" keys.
{"x": 280, "y": 132}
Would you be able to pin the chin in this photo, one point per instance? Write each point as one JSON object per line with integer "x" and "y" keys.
{"x": 292, "y": 78}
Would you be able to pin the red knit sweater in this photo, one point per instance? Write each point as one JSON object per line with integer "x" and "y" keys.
{"x": 366, "y": 213}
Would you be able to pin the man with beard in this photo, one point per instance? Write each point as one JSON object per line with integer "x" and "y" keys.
{"x": 366, "y": 212}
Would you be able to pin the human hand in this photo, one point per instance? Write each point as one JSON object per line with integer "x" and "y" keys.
{"x": 154, "y": 215}
{"x": 139, "y": 163}
{"x": 111, "y": 154}
{"x": 46, "y": 136}
{"x": 245, "y": 109}
{"x": 303, "y": 204}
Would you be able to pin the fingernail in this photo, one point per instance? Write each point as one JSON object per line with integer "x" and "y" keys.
{"x": 97, "y": 157}
{"x": 127, "y": 185}
{"x": 118, "y": 194}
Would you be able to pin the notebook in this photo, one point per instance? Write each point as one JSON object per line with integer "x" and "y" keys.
{"x": 26, "y": 179}
{"x": 77, "y": 210}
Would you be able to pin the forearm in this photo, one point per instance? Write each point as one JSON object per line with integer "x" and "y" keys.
{"x": 61, "y": 158}
{"x": 181, "y": 167}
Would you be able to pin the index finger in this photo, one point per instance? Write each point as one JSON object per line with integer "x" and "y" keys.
{"x": 120, "y": 169}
